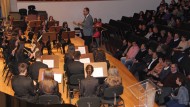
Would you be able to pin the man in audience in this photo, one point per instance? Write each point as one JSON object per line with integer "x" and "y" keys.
{"x": 168, "y": 84}
{"x": 89, "y": 85}
{"x": 22, "y": 85}
{"x": 76, "y": 67}
{"x": 34, "y": 68}
{"x": 130, "y": 54}
{"x": 139, "y": 64}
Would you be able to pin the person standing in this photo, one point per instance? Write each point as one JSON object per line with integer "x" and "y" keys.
{"x": 87, "y": 26}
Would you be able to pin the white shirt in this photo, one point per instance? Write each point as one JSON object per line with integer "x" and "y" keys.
{"x": 151, "y": 63}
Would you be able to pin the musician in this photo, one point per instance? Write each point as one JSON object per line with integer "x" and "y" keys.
{"x": 34, "y": 68}
{"x": 23, "y": 86}
{"x": 64, "y": 28}
{"x": 44, "y": 44}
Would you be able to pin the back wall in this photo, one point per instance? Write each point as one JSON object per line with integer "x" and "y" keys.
{"x": 72, "y": 11}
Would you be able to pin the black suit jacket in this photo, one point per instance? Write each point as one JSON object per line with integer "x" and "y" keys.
{"x": 34, "y": 69}
{"x": 153, "y": 64}
{"x": 23, "y": 86}
{"x": 88, "y": 87}
{"x": 75, "y": 67}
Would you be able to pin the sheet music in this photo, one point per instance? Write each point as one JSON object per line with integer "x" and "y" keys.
{"x": 49, "y": 62}
{"x": 98, "y": 72}
{"x": 85, "y": 60}
{"x": 58, "y": 77}
{"x": 82, "y": 50}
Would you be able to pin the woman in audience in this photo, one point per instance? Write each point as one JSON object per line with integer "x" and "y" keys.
{"x": 150, "y": 32}
{"x": 182, "y": 98}
{"x": 68, "y": 58}
{"x": 157, "y": 69}
{"x": 96, "y": 36}
{"x": 182, "y": 45}
{"x": 48, "y": 86}
{"x": 120, "y": 51}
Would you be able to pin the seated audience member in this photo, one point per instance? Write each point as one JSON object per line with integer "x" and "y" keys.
{"x": 148, "y": 67}
{"x": 155, "y": 37}
{"x": 159, "y": 66}
{"x": 88, "y": 86}
{"x": 164, "y": 72}
{"x": 183, "y": 44}
{"x": 168, "y": 38}
{"x": 140, "y": 63}
{"x": 68, "y": 58}
{"x": 112, "y": 80}
{"x": 22, "y": 85}
{"x": 64, "y": 28}
{"x": 34, "y": 68}
{"x": 175, "y": 42}
{"x": 162, "y": 39}
{"x": 142, "y": 53}
{"x": 76, "y": 67}
{"x": 100, "y": 56}
{"x": 129, "y": 45}
{"x": 96, "y": 36}
{"x": 99, "y": 23}
{"x": 48, "y": 86}
{"x": 150, "y": 32}
{"x": 182, "y": 97}
{"x": 121, "y": 50}
{"x": 130, "y": 54}
{"x": 168, "y": 84}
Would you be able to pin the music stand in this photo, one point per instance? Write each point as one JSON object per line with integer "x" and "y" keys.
{"x": 84, "y": 57}
{"x": 82, "y": 49}
{"x": 49, "y": 36}
{"x": 35, "y": 23}
{"x": 52, "y": 23}
{"x": 100, "y": 69}
{"x": 31, "y": 17}
{"x": 51, "y": 60}
{"x": 58, "y": 75}
{"x": 68, "y": 34}
{"x": 55, "y": 29}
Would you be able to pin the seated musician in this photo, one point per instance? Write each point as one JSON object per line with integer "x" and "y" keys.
{"x": 44, "y": 44}
{"x": 22, "y": 85}
{"x": 64, "y": 28}
{"x": 88, "y": 86}
{"x": 48, "y": 86}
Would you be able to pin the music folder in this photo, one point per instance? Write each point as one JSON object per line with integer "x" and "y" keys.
{"x": 51, "y": 60}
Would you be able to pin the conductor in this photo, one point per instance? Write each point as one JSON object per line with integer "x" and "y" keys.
{"x": 87, "y": 26}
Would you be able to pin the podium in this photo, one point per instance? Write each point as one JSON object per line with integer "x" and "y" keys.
{"x": 144, "y": 92}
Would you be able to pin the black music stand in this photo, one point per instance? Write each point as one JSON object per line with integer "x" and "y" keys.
{"x": 51, "y": 36}
{"x": 52, "y": 23}
{"x": 35, "y": 23}
{"x": 67, "y": 35}
{"x": 55, "y": 29}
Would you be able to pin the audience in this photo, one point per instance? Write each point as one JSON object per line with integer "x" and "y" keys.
{"x": 182, "y": 97}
